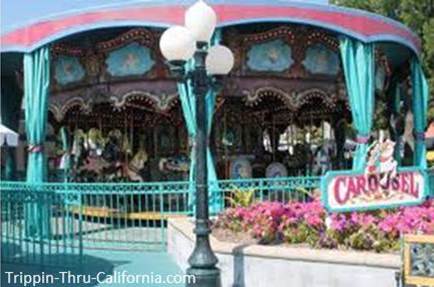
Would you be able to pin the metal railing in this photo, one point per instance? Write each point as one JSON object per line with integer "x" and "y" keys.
{"x": 67, "y": 216}
{"x": 38, "y": 227}
{"x": 51, "y": 222}
{"x": 54, "y": 223}
{"x": 271, "y": 189}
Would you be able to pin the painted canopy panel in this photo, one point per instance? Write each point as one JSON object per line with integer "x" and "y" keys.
{"x": 26, "y": 29}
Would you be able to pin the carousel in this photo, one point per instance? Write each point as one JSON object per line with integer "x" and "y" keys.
{"x": 101, "y": 104}
{"x": 277, "y": 116}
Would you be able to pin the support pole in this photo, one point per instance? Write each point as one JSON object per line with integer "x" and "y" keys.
{"x": 202, "y": 261}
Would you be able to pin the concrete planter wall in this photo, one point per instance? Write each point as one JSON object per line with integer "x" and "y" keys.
{"x": 276, "y": 266}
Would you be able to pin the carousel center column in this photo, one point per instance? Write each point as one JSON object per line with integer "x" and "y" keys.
{"x": 36, "y": 88}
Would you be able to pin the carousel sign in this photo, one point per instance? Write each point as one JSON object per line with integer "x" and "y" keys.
{"x": 381, "y": 185}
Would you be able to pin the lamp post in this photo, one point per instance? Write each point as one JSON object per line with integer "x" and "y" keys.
{"x": 178, "y": 45}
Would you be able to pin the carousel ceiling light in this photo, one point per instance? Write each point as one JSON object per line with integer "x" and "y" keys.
{"x": 201, "y": 20}
{"x": 177, "y": 44}
{"x": 219, "y": 60}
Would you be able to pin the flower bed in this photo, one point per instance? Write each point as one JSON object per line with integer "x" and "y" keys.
{"x": 309, "y": 223}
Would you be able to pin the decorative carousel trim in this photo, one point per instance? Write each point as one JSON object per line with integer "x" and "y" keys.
{"x": 163, "y": 102}
{"x": 319, "y": 36}
{"x": 284, "y": 32}
{"x": 329, "y": 100}
{"x": 140, "y": 35}
{"x": 293, "y": 100}
{"x": 256, "y": 97}
{"x": 59, "y": 112}
{"x": 64, "y": 49}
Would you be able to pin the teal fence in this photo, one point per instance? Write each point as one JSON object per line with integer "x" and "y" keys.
{"x": 271, "y": 189}
{"x": 25, "y": 211}
{"x": 69, "y": 218}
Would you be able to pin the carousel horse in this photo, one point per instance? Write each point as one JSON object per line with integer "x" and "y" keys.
{"x": 112, "y": 154}
{"x": 62, "y": 150}
{"x": 86, "y": 151}
{"x": 132, "y": 170}
{"x": 78, "y": 150}
{"x": 174, "y": 164}
{"x": 95, "y": 142}
{"x": 94, "y": 146}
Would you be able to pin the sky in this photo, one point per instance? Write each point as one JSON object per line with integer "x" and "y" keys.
{"x": 17, "y": 13}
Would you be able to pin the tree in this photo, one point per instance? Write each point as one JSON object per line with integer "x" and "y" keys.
{"x": 418, "y": 15}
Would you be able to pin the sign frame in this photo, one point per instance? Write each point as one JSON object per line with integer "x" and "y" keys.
{"x": 410, "y": 239}
{"x": 332, "y": 174}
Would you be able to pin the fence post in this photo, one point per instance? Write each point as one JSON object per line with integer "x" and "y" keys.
{"x": 40, "y": 193}
{"x": 80, "y": 230}
{"x": 162, "y": 214}
{"x": 261, "y": 189}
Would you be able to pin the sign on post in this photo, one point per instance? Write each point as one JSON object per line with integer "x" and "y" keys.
{"x": 380, "y": 185}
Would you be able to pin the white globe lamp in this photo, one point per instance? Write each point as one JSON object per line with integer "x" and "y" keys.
{"x": 177, "y": 44}
{"x": 201, "y": 20}
{"x": 219, "y": 60}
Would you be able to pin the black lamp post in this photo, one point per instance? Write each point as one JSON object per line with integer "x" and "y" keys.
{"x": 178, "y": 45}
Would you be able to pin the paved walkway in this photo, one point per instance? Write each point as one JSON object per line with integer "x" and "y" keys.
{"x": 145, "y": 268}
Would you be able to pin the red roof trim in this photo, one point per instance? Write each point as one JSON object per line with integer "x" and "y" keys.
{"x": 357, "y": 25}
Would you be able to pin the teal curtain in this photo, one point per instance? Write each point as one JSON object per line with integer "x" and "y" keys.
{"x": 420, "y": 106}
{"x": 188, "y": 104}
{"x": 359, "y": 69}
{"x": 11, "y": 97}
{"x": 36, "y": 86}
{"x": 215, "y": 196}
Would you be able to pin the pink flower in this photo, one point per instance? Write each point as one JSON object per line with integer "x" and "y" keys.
{"x": 299, "y": 222}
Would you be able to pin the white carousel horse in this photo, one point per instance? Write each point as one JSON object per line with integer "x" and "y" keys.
{"x": 132, "y": 170}
{"x": 174, "y": 163}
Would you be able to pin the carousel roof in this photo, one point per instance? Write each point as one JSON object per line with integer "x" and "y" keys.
{"x": 26, "y": 28}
